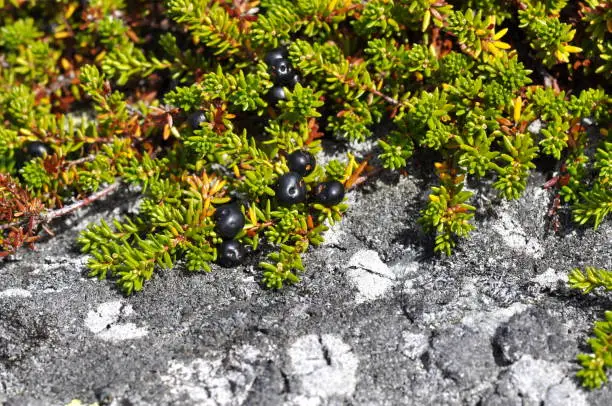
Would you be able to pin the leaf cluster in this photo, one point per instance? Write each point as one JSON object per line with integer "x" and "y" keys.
{"x": 595, "y": 364}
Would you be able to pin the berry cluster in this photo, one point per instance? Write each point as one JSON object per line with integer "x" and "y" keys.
{"x": 229, "y": 221}
{"x": 283, "y": 74}
{"x": 291, "y": 188}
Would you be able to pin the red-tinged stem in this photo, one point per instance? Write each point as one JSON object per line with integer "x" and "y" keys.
{"x": 47, "y": 217}
{"x": 79, "y": 161}
{"x": 53, "y": 214}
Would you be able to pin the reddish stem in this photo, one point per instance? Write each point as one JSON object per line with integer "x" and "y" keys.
{"x": 47, "y": 217}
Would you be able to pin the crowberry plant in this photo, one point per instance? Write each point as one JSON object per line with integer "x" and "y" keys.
{"x": 196, "y": 104}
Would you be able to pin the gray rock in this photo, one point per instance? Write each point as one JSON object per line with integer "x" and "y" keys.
{"x": 494, "y": 324}
{"x": 540, "y": 333}
{"x": 322, "y": 367}
{"x": 532, "y": 382}
{"x": 565, "y": 393}
{"x": 465, "y": 357}
{"x": 21, "y": 332}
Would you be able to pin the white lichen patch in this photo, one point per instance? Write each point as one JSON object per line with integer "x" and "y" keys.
{"x": 15, "y": 292}
{"x": 532, "y": 377}
{"x": 301, "y": 400}
{"x": 217, "y": 381}
{"x": 514, "y": 236}
{"x": 190, "y": 379}
{"x": 565, "y": 393}
{"x": 533, "y": 382}
{"x": 413, "y": 344}
{"x": 334, "y": 235}
{"x": 104, "y": 322}
{"x": 406, "y": 267}
{"x": 488, "y": 322}
{"x": 322, "y": 366}
{"x": 369, "y": 275}
{"x": 535, "y": 126}
{"x": 123, "y": 331}
{"x": 550, "y": 278}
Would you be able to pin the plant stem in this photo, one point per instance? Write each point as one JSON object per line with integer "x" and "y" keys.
{"x": 49, "y": 216}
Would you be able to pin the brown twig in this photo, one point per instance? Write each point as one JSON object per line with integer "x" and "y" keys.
{"x": 49, "y": 216}
{"x": 79, "y": 161}
{"x": 53, "y": 214}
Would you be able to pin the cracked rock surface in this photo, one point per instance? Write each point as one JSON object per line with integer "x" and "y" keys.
{"x": 377, "y": 318}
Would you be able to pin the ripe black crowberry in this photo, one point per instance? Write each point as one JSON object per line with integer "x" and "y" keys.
{"x": 295, "y": 79}
{"x": 276, "y": 94}
{"x": 229, "y": 220}
{"x": 230, "y": 253}
{"x": 196, "y": 119}
{"x": 290, "y": 189}
{"x": 301, "y": 162}
{"x": 36, "y": 149}
{"x": 328, "y": 193}
{"x": 282, "y": 72}
{"x": 277, "y": 53}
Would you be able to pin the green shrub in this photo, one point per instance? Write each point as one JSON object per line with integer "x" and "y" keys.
{"x": 109, "y": 85}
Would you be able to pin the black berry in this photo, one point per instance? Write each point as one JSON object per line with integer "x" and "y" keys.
{"x": 229, "y": 220}
{"x": 276, "y": 94}
{"x": 290, "y": 189}
{"x": 37, "y": 149}
{"x": 301, "y": 162}
{"x": 295, "y": 79}
{"x": 282, "y": 72}
{"x": 230, "y": 253}
{"x": 275, "y": 54}
{"x": 328, "y": 193}
{"x": 196, "y": 119}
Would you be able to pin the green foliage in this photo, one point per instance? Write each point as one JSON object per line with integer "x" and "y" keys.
{"x": 476, "y": 33}
{"x": 447, "y": 213}
{"x": 209, "y": 24}
{"x": 377, "y": 18}
{"x": 592, "y": 205}
{"x": 550, "y": 37}
{"x": 596, "y": 17}
{"x": 19, "y": 33}
{"x": 595, "y": 364}
{"x": 596, "y": 204}
{"x": 108, "y": 86}
{"x": 501, "y": 9}
{"x": 160, "y": 234}
{"x": 301, "y": 104}
{"x": 591, "y": 278}
{"x": 127, "y": 62}
{"x": 519, "y": 154}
